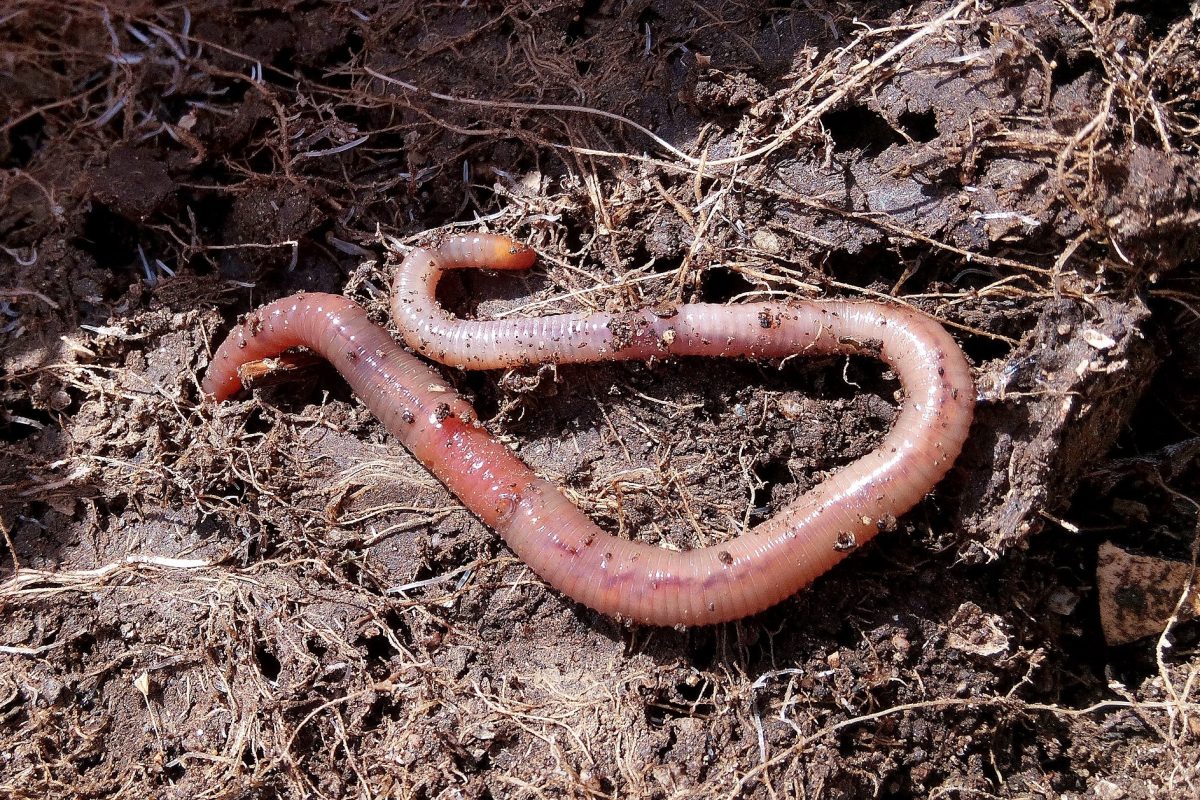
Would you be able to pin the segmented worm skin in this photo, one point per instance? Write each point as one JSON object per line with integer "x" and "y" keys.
{"x": 629, "y": 579}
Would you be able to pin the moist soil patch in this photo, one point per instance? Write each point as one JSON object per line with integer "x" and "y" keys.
{"x": 271, "y": 598}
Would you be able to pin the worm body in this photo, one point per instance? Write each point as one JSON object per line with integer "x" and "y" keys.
{"x": 625, "y": 578}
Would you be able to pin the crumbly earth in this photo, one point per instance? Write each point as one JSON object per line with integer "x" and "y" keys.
{"x": 271, "y": 599}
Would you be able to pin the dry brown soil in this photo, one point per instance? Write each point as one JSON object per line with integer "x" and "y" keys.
{"x": 272, "y": 599}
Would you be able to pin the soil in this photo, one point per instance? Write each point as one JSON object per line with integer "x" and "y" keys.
{"x": 272, "y": 599}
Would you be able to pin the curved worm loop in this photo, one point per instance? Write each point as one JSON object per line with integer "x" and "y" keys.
{"x": 629, "y": 579}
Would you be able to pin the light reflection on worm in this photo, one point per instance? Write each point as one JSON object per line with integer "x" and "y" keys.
{"x": 628, "y": 579}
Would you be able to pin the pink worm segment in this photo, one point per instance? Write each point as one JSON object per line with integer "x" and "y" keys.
{"x": 629, "y": 579}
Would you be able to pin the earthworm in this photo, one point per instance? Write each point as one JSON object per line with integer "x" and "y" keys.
{"x": 628, "y": 579}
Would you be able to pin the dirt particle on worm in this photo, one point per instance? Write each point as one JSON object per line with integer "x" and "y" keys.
{"x": 622, "y": 332}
